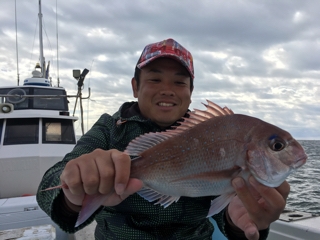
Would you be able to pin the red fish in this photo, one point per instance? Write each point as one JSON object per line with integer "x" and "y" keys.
{"x": 202, "y": 156}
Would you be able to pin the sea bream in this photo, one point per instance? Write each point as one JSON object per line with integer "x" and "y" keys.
{"x": 202, "y": 155}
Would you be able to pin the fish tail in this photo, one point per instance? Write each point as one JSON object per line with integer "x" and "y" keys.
{"x": 90, "y": 204}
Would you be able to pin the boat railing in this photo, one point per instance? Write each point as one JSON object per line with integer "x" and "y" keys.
{"x": 42, "y": 96}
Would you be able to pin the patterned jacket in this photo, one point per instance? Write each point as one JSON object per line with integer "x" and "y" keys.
{"x": 134, "y": 218}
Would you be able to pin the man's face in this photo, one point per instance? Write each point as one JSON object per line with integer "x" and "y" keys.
{"x": 164, "y": 91}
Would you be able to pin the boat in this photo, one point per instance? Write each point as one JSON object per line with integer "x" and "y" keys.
{"x": 36, "y": 131}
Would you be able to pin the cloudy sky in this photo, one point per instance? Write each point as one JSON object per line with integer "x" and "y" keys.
{"x": 260, "y": 58}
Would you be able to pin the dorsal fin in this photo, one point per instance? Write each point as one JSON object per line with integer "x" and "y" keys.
{"x": 149, "y": 140}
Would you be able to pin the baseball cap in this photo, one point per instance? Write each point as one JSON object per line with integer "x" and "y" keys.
{"x": 167, "y": 48}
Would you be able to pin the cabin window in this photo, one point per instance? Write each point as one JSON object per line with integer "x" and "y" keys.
{"x": 58, "y": 131}
{"x": 18, "y": 101}
{"x": 46, "y": 101}
{"x": 52, "y": 103}
{"x": 1, "y": 126}
{"x": 21, "y": 131}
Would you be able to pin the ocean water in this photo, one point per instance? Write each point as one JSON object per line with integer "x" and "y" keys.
{"x": 305, "y": 182}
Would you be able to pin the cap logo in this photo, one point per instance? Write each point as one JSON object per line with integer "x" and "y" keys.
{"x": 167, "y": 48}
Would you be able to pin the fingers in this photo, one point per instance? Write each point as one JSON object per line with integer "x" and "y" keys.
{"x": 133, "y": 186}
{"x": 243, "y": 192}
{"x": 251, "y": 231}
{"x": 284, "y": 189}
{"x": 100, "y": 172}
{"x": 89, "y": 172}
{"x": 275, "y": 198}
{"x": 114, "y": 174}
{"x": 122, "y": 164}
{"x": 259, "y": 205}
{"x": 72, "y": 178}
{"x": 250, "y": 205}
{"x": 238, "y": 218}
{"x": 106, "y": 172}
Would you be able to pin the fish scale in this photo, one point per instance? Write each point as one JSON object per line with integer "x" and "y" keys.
{"x": 182, "y": 176}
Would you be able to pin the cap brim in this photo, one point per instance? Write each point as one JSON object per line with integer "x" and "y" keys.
{"x": 165, "y": 55}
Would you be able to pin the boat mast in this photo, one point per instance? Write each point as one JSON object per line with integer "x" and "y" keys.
{"x": 42, "y": 60}
{"x": 17, "y": 50}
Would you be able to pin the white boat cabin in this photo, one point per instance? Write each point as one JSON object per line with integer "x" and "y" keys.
{"x": 36, "y": 131}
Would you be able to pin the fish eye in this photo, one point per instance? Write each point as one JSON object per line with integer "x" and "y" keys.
{"x": 277, "y": 145}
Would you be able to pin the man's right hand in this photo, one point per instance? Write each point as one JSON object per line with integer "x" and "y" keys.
{"x": 104, "y": 172}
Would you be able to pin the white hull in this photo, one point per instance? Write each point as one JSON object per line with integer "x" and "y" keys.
{"x": 20, "y": 175}
{"x": 306, "y": 229}
{"x": 296, "y": 225}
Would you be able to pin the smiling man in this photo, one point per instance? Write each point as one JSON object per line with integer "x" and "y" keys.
{"x": 163, "y": 84}
{"x": 163, "y": 91}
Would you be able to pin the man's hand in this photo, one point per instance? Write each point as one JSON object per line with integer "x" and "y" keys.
{"x": 104, "y": 172}
{"x": 256, "y": 206}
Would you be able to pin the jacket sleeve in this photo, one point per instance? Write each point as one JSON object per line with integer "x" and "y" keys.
{"x": 52, "y": 201}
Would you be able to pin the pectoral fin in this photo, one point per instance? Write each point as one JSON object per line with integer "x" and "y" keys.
{"x": 151, "y": 195}
{"x": 219, "y": 203}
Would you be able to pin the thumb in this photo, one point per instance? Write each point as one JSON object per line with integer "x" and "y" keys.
{"x": 251, "y": 231}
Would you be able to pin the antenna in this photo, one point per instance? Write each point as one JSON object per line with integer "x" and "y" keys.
{"x": 42, "y": 61}
{"x": 57, "y": 43}
{"x": 15, "y": 12}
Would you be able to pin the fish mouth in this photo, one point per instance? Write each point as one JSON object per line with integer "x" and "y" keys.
{"x": 300, "y": 162}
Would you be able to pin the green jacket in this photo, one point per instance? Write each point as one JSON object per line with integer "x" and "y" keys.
{"x": 134, "y": 218}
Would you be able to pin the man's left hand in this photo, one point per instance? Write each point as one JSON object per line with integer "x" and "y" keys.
{"x": 256, "y": 206}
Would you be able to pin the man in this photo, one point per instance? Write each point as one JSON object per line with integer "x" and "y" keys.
{"x": 163, "y": 84}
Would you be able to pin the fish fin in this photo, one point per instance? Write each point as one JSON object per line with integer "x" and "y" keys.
{"x": 144, "y": 142}
{"x": 151, "y": 195}
{"x": 219, "y": 203}
{"x": 90, "y": 204}
{"x": 213, "y": 110}
{"x": 166, "y": 201}
{"x": 65, "y": 186}
{"x": 197, "y": 116}
{"x": 149, "y": 140}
